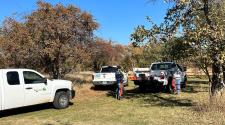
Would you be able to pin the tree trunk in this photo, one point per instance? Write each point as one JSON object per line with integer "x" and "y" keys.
{"x": 208, "y": 75}
{"x": 204, "y": 68}
{"x": 216, "y": 84}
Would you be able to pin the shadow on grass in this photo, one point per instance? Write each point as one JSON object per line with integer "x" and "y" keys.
{"x": 24, "y": 110}
{"x": 28, "y": 109}
{"x": 157, "y": 100}
{"x": 154, "y": 98}
{"x": 103, "y": 88}
{"x": 200, "y": 81}
{"x": 159, "y": 97}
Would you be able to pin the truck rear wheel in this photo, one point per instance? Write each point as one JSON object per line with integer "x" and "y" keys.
{"x": 61, "y": 100}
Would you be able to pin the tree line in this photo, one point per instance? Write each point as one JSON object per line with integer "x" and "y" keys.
{"x": 56, "y": 39}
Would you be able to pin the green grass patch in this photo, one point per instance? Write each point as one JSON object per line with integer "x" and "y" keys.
{"x": 134, "y": 109}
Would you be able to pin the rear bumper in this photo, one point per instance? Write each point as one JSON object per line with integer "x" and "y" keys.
{"x": 150, "y": 82}
{"x": 104, "y": 83}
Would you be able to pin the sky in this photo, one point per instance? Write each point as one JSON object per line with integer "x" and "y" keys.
{"x": 117, "y": 18}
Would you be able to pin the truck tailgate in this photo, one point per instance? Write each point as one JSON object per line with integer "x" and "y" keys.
{"x": 104, "y": 77}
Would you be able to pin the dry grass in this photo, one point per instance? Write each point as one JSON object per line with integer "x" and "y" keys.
{"x": 79, "y": 78}
{"x": 98, "y": 107}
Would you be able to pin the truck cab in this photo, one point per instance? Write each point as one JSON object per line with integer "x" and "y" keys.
{"x": 25, "y": 87}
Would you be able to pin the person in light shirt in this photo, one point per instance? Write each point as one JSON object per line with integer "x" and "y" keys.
{"x": 177, "y": 78}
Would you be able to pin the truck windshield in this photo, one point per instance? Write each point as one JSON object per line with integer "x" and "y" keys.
{"x": 162, "y": 66}
{"x": 109, "y": 69}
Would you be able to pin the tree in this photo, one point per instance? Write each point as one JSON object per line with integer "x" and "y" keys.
{"x": 104, "y": 52}
{"x": 126, "y": 63}
{"x": 202, "y": 25}
{"x": 3, "y": 61}
{"x": 144, "y": 55}
{"x": 58, "y": 31}
{"x": 16, "y": 44}
{"x": 56, "y": 38}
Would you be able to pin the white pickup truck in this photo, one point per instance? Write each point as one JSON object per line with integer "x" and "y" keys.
{"x": 107, "y": 76}
{"x": 161, "y": 75}
{"x": 25, "y": 87}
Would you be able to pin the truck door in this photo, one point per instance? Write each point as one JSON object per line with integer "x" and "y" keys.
{"x": 1, "y": 90}
{"x": 36, "y": 90}
{"x": 13, "y": 95}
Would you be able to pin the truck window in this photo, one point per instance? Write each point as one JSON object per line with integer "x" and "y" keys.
{"x": 32, "y": 78}
{"x": 13, "y": 78}
{"x": 109, "y": 69}
{"x": 162, "y": 66}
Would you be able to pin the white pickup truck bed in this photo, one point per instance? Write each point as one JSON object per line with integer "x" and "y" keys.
{"x": 107, "y": 76}
{"x": 104, "y": 78}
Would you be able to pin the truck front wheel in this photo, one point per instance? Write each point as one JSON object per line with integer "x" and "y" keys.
{"x": 61, "y": 100}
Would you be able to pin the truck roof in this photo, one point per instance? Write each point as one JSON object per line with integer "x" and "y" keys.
{"x": 162, "y": 62}
{"x": 18, "y": 69}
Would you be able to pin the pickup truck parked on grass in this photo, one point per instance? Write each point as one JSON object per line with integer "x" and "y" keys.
{"x": 25, "y": 87}
{"x": 161, "y": 74}
{"x": 139, "y": 74}
{"x": 107, "y": 76}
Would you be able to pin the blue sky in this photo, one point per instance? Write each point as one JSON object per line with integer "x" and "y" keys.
{"x": 117, "y": 18}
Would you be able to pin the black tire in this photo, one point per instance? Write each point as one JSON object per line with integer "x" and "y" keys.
{"x": 61, "y": 100}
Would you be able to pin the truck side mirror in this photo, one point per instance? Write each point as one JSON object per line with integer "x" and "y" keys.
{"x": 45, "y": 81}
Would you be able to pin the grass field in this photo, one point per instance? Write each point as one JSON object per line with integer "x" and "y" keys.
{"x": 98, "y": 107}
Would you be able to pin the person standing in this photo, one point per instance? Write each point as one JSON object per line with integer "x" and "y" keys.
{"x": 120, "y": 86}
{"x": 177, "y": 79}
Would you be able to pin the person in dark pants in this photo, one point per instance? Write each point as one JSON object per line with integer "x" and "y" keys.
{"x": 120, "y": 86}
